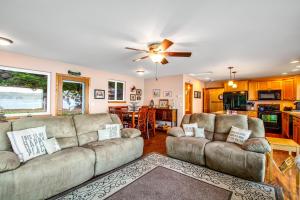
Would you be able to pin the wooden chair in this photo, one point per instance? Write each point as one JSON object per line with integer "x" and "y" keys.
{"x": 142, "y": 121}
{"x": 151, "y": 121}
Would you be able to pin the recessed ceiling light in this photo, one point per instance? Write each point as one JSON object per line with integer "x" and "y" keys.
{"x": 298, "y": 66}
{"x": 140, "y": 72}
{"x": 294, "y": 61}
{"x": 295, "y": 70}
{"x": 207, "y": 78}
{"x": 5, "y": 41}
{"x": 201, "y": 74}
{"x": 284, "y": 73}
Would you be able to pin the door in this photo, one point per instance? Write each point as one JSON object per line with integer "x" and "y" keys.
{"x": 72, "y": 95}
{"x": 188, "y": 98}
{"x": 213, "y": 100}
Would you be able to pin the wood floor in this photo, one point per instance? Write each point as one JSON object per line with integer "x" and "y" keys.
{"x": 286, "y": 181}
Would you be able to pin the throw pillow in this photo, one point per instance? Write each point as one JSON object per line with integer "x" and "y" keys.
{"x": 238, "y": 135}
{"x": 189, "y": 129}
{"x": 103, "y": 134}
{"x": 258, "y": 145}
{"x": 114, "y": 130}
{"x": 199, "y": 132}
{"x": 51, "y": 145}
{"x": 28, "y": 143}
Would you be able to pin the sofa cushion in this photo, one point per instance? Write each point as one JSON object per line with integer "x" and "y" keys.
{"x": 230, "y": 158}
{"x": 87, "y": 126}
{"x": 185, "y": 119}
{"x": 4, "y": 141}
{"x": 223, "y": 124}
{"x": 114, "y": 153}
{"x": 8, "y": 161}
{"x": 257, "y": 127}
{"x": 130, "y": 132}
{"x": 61, "y": 127}
{"x": 189, "y": 149}
{"x": 204, "y": 120}
{"x": 258, "y": 145}
{"x": 48, "y": 175}
{"x": 176, "y": 132}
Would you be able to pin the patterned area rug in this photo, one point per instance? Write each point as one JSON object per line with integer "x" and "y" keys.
{"x": 159, "y": 177}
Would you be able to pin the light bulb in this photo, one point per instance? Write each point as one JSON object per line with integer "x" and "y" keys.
{"x": 234, "y": 85}
{"x": 156, "y": 57}
{"x": 230, "y": 83}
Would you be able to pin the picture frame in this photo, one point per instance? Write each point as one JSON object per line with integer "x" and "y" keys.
{"x": 132, "y": 97}
{"x": 164, "y": 103}
{"x": 168, "y": 94}
{"x": 197, "y": 94}
{"x": 156, "y": 93}
{"x": 138, "y": 92}
{"x": 138, "y": 97}
{"x": 99, "y": 94}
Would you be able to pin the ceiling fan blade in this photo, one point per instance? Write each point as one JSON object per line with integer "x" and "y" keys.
{"x": 136, "y": 49}
{"x": 138, "y": 59}
{"x": 165, "y": 44}
{"x": 178, "y": 54}
{"x": 164, "y": 61}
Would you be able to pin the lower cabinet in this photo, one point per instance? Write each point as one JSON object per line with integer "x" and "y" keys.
{"x": 296, "y": 129}
{"x": 285, "y": 124}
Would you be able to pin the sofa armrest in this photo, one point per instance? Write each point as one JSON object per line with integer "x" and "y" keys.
{"x": 130, "y": 132}
{"x": 176, "y": 132}
{"x": 258, "y": 145}
{"x": 8, "y": 161}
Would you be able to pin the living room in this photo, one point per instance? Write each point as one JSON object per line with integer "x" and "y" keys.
{"x": 149, "y": 100}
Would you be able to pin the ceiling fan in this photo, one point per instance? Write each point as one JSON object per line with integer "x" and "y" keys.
{"x": 157, "y": 52}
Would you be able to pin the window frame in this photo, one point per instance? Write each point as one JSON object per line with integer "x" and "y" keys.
{"x": 124, "y": 91}
{"x": 48, "y": 74}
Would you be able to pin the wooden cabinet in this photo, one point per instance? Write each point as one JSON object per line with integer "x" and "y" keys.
{"x": 269, "y": 85}
{"x": 285, "y": 124}
{"x": 288, "y": 90}
{"x": 241, "y": 86}
{"x": 252, "y": 91}
{"x": 168, "y": 115}
{"x": 296, "y": 129}
{"x": 262, "y": 85}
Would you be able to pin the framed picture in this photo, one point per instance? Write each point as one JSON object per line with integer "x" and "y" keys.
{"x": 195, "y": 94}
{"x": 168, "y": 94}
{"x": 164, "y": 103}
{"x": 132, "y": 97}
{"x": 138, "y": 97}
{"x": 156, "y": 93}
{"x": 99, "y": 94}
{"x": 138, "y": 92}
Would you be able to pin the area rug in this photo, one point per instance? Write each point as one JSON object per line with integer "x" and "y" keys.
{"x": 159, "y": 177}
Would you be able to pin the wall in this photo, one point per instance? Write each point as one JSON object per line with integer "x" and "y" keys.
{"x": 98, "y": 78}
{"x": 176, "y": 85}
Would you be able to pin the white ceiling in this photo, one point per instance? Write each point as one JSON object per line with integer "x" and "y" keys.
{"x": 259, "y": 37}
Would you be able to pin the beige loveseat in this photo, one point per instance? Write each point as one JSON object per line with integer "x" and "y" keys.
{"x": 81, "y": 158}
{"x": 213, "y": 151}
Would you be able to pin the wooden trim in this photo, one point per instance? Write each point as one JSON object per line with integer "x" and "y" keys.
{"x": 191, "y": 97}
{"x": 117, "y": 102}
{"x": 59, "y": 81}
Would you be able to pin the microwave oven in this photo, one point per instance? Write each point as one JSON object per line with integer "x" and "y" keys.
{"x": 269, "y": 95}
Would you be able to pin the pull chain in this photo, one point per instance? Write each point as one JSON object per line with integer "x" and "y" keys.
{"x": 156, "y": 76}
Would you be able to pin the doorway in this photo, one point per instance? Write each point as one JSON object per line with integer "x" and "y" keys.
{"x": 213, "y": 100}
{"x": 188, "y": 98}
{"x": 72, "y": 95}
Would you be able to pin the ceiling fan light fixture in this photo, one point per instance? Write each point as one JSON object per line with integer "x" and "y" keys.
{"x": 5, "y": 41}
{"x": 156, "y": 57}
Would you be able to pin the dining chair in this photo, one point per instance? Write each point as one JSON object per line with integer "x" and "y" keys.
{"x": 142, "y": 121}
{"x": 151, "y": 121}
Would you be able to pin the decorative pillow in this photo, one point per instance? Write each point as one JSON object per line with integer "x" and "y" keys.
{"x": 238, "y": 135}
{"x": 258, "y": 145}
{"x": 51, "y": 145}
{"x": 189, "y": 129}
{"x": 103, "y": 134}
{"x": 28, "y": 143}
{"x": 199, "y": 132}
{"x": 114, "y": 130}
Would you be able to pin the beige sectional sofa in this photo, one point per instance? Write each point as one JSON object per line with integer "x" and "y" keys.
{"x": 82, "y": 156}
{"x": 213, "y": 151}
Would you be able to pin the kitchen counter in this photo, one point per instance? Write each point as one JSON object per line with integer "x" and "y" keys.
{"x": 293, "y": 113}
{"x": 250, "y": 113}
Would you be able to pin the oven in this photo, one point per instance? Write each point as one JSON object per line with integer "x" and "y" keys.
{"x": 271, "y": 116}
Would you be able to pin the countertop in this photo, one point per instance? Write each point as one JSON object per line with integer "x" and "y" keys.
{"x": 239, "y": 112}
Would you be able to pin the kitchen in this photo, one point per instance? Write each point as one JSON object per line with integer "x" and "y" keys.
{"x": 273, "y": 99}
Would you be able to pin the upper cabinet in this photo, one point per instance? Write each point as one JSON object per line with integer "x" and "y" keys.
{"x": 269, "y": 85}
{"x": 241, "y": 86}
{"x": 289, "y": 89}
{"x": 252, "y": 92}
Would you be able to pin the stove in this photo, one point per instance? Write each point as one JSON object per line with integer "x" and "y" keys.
{"x": 271, "y": 116}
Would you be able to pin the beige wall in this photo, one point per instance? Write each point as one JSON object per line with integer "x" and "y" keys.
{"x": 98, "y": 78}
{"x": 176, "y": 85}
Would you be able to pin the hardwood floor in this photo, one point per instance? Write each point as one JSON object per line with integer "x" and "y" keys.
{"x": 286, "y": 181}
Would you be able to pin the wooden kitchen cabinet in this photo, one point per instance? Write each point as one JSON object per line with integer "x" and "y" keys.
{"x": 296, "y": 129}
{"x": 288, "y": 90}
{"x": 241, "y": 86}
{"x": 252, "y": 91}
{"x": 285, "y": 124}
{"x": 262, "y": 85}
{"x": 269, "y": 85}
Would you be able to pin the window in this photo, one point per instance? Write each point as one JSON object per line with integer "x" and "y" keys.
{"x": 24, "y": 92}
{"x": 116, "y": 90}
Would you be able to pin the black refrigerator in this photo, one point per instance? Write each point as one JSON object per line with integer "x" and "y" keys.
{"x": 235, "y": 100}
